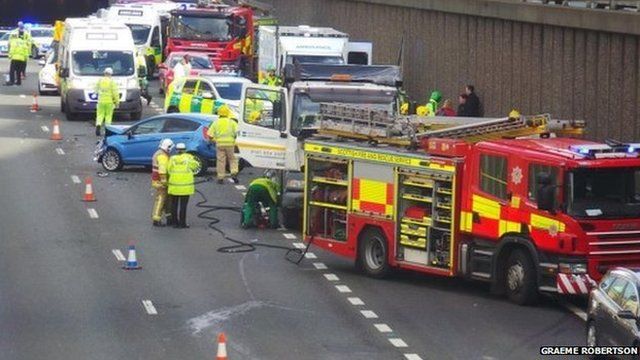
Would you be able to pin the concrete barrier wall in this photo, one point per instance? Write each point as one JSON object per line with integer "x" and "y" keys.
{"x": 514, "y": 62}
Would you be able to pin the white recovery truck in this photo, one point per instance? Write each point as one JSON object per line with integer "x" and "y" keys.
{"x": 275, "y": 139}
{"x": 282, "y": 45}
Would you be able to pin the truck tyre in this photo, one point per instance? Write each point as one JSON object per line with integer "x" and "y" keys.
{"x": 373, "y": 253}
{"x": 291, "y": 219}
{"x": 520, "y": 278}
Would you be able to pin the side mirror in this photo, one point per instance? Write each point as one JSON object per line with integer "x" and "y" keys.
{"x": 129, "y": 134}
{"x": 41, "y": 62}
{"x": 626, "y": 314}
{"x": 64, "y": 73}
{"x": 207, "y": 95}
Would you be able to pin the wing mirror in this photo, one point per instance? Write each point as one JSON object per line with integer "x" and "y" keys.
{"x": 627, "y": 314}
{"x": 64, "y": 73}
{"x": 129, "y": 134}
{"x": 207, "y": 95}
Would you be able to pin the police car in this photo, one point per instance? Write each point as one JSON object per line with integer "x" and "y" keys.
{"x": 42, "y": 37}
{"x": 199, "y": 94}
{"x": 4, "y": 44}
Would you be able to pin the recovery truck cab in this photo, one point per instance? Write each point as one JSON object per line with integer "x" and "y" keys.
{"x": 527, "y": 215}
{"x": 89, "y": 46}
{"x": 145, "y": 23}
{"x": 279, "y": 46}
{"x": 223, "y": 32}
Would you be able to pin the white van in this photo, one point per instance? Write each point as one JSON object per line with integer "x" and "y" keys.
{"x": 88, "y": 47}
{"x": 146, "y": 27}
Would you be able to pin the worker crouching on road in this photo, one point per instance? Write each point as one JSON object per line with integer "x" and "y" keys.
{"x": 182, "y": 168}
{"x": 263, "y": 195}
{"x": 108, "y": 99}
{"x": 223, "y": 132}
{"x": 159, "y": 180}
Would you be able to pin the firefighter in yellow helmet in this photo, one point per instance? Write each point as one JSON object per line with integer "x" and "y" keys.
{"x": 108, "y": 99}
{"x": 159, "y": 181}
{"x": 223, "y": 132}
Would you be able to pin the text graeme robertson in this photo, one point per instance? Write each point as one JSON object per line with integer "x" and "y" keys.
{"x": 589, "y": 350}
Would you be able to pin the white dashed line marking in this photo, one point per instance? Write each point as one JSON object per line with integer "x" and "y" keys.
{"x": 369, "y": 314}
{"x": 576, "y": 311}
{"x": 412, "y": 357}
{"x": 118, "y": 254}
{"x": 383, "y": 328}
{"x": 60, "y": 151}
{"x": 343, "y": 288}
{"x": 331, "y": 277}
{"x": 75, "y": 179}
{"x": 148, "y": 305}
{"x": 289, "y": 236}
{"x": 241, "y": 187}
{"x": 92, "y": 213}
{"x": 44, "y": 128}
{"x": 243, "y": 193}
{"x": 356, "y": 301}
{"x": 320, "y": 266}
{"x": 299, "y": 245}
{"x": 397, "y": 342}
{"x": 310, "y": 255}
{"x": 22, "y": 96}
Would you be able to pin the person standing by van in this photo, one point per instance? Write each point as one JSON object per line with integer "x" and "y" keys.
{"x": 19, "y": 49}
{"x": 108, "y": 99}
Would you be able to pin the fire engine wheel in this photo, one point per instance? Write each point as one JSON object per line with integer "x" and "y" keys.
{"x": 520, "y": 278}
{"x": 373, "y": 253}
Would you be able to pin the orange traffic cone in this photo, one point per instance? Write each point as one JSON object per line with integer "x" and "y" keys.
{"x": 34, "y": 104}
{"x": 55, "y": 134}
{"x": 222, "y": 347}
{"x": 88, "y": 190}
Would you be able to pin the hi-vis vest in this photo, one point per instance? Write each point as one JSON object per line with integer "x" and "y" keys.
{"x": 271, "y": 187}
{"x": 107, "y": 91}
{"x": 181, "y": 169}
{"x": 223, "y": 131}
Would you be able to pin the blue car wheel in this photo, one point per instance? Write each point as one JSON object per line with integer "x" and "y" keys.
{"x": 112, "y": 160}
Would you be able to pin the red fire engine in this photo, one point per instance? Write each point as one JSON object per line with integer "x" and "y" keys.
{"x": 527, "y": 215}
{"x": 224, "y": 32}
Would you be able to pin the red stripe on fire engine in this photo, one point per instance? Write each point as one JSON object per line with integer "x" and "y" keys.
{"x": 356, "y": 189}
{"x": 390, "y": 194}
{"x": 372, "y": 207}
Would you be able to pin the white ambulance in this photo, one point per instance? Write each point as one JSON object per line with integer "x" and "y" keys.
{"x": 88, "y": 47}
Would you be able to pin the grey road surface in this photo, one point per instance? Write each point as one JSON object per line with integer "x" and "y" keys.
{"x": 63, "y": 294}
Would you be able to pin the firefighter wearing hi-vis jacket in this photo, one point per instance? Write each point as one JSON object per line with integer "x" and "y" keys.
{"x": 159, "y": 181}
{"x": 224, "y": 132}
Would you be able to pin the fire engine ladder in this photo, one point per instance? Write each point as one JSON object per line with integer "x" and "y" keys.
{"x": 359, "y": 122}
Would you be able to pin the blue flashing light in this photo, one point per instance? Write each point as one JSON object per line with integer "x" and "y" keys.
{"x": 583, "y": 150}
{"x": 631, "y": 149}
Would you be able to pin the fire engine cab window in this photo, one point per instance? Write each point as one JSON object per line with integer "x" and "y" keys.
{"x": 493, "y": 175}
{"x": 264, "y": 108}
{"x": 534, "y": 171}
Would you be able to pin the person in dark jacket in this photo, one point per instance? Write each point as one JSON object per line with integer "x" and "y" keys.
{"x": 462, "y": 106}
{"x": 473, "y": 105}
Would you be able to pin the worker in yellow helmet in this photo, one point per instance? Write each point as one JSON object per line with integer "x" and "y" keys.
{"x": 223, "y": 132}
{"x": 108, "y": 99}
{"x": 159, "y": 180}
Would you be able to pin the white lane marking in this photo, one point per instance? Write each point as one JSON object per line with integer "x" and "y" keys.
{"x": 383, "y": 328}
{"x": 343, "y": 288}
{"x": 241, "y": 187}
{"x": 576, "y": 311}
{"x": 320, "y": 266}
{"x": 92, "y": 213}
{"x": 118, "y": 254}
{"x": 44, "y": 128}
{"x": 289, "y": 236}
{"x": 230, "y": 180}
{"x": 412, "y": 357}
{"x": 369, "y": 314}
{"x": 243, "y": 193}
{"x": 22, "y": 96}
{"x": 60, "y": 151}
{"x": 310, "y": 255}
{"x": 75, "y": 179}
{"x": 148, "y": 305}
{"x": 299, "y": 245}
{"x": 397, "y": 342}
{"x": 331, "y": 277}
{"x": 356, "y": 301}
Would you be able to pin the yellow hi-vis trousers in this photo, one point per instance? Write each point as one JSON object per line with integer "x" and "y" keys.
{"x": 104, "y": 113}
{"x": 160, "y": 204}
{"x": 224, "y": 154}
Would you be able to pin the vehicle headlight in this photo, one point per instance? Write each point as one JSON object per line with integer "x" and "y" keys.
{"x": 133, "y": 84}
{"x": 572, "y": 268}
{"x": 295, "y": 184}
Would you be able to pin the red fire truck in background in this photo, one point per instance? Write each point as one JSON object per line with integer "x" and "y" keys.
{"x": 224, "y": 32}
{"x": 527, "y": 215}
